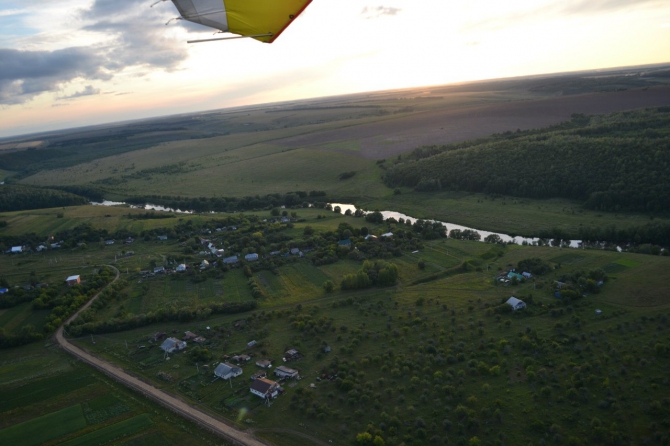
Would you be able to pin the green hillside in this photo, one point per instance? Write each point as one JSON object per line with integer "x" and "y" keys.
{"x": 617, "y": 162}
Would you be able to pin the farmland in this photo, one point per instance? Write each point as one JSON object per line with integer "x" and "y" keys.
{"x": 439, "y": 330}
{"x": 403, "y": 331}
{"x": 64, "y": 402}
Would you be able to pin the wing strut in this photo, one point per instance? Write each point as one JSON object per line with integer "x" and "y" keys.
{"x": 229, "y": 38}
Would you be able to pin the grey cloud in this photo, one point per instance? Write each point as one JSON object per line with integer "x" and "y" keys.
{"x": 136, "y": 38}
{"x": 87, "y": 91}
{"x": 379, "y": 11}
{"x": 24, "y": 74}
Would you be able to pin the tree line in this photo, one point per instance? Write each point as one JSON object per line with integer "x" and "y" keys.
{"x": 20, "y": 198}
{"x": 618, "y": 162}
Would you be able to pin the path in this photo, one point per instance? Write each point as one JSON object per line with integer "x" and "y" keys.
{"x": 180, "y": 407}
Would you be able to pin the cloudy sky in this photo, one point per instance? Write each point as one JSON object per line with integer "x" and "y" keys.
{"x": 66, "y": 63}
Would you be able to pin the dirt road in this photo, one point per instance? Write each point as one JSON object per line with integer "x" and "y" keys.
{"x": 180, "y": 407}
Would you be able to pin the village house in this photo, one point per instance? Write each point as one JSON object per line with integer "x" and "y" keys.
{"x": 227, "y": 371}
{"x": 242, "y": 358}
{"x": 516, "y": 304}
{"x": 162, "y": 238}
{"x": 159, "y": 270}
{"x": 188, "y": 335}
{"x": 251, "y": 257}
{"x": 265, "y": 388}
{"x": 17, "y": 249}
{"x": 291, "y": 355}
{"x": 73, "y": 280}
{"x": 199, "y": 340}
{"x": 387, "y": 235}
{"x": 264, "y": 363}
{"x": 171, "y": 345}
{"x": 286, "y": 372}
{"x": 107, "y": 242}
{"x": 181, "y": 268}
{"x": 231, "y": 260}
{"x": 512, "y": 275}
{"x": 259, "y": 374}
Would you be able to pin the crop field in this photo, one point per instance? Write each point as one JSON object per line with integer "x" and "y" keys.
{"x": 61, "y": 401}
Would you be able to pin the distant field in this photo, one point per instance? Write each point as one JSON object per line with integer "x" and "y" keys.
{"x": 396, "y": 135}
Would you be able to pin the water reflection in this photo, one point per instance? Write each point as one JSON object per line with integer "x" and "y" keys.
{"x": 504, "y": 237}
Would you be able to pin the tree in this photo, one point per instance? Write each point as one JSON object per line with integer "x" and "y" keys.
{"x": 328, "y": 286}
{"x": 474, "y": 441}
{"x": 422, "y": 264}
{"x": 364, "y": 438}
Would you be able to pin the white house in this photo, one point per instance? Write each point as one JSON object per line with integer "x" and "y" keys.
{"x": 251, "y": 257}
{"x": 73, "y": 280}
{"x": 516, "y": 304}
{"x": 286, "y": 372}
{"x": 171, "y": 345}
{"x": 227, "y": 371}
{"x": 264, "y": 388}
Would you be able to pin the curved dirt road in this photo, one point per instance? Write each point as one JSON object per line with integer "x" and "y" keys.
{"x": 180, "y": 407}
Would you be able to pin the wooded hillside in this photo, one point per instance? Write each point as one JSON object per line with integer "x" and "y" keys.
{"x": 614, "y": 162}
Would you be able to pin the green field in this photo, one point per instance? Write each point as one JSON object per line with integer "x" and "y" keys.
{"x": 45, "y": 428}
{"x": 114, "y": 432}
{"x": 48, "y": 398}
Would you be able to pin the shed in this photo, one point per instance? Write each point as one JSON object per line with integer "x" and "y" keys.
{"x": 227, "y": 371}
{"x": 527, "y": 275}
{"x": 181, "y": 268}
{"x": 3, "y": 290}
{"x": 231, "y": 260}
{"x": 162, "y": 238}
{"x": 251, "y": 257}
{"x": 516, "y": 304}
{"x": 286, "y": 372}
{"x": 17, "y": 249}
{"x": 388, "y": 234}
{"x": 73, "y": 280}
{"x": 159, "y": 269}
{"x": 295, "y": 251}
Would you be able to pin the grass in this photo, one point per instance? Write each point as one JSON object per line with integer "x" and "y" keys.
{"x": 45, "y": 428}
{"x": 567, "y": 259}
{"x": 114, "y": 432}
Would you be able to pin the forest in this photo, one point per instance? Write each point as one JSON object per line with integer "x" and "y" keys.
{"x": 617, "y": 162}
{"x": 20, "y": 198}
